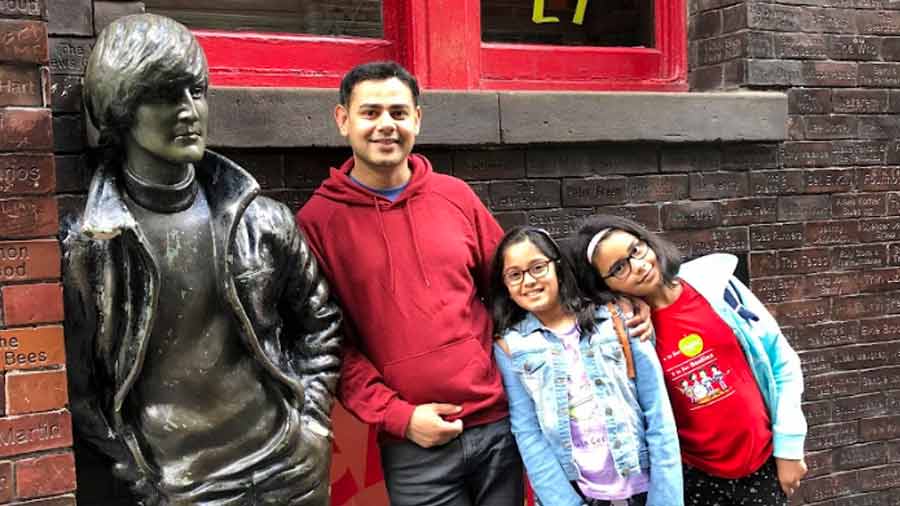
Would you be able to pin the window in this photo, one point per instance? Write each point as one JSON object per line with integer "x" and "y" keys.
{"x": 448, "y": 44}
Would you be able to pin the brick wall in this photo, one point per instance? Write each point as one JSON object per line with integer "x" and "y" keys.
{"x": 830, "y": 270}
{"x": 813, "y": 219}
{"x": 36, "y": 462}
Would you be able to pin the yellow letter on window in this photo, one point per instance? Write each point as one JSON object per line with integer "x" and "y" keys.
{"x": 538, "y": 14}
{"x": 579, "y": 12}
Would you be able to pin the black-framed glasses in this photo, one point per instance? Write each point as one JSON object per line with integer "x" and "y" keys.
{"x": 622, "y": 268}
{"x": 537, "y": 270}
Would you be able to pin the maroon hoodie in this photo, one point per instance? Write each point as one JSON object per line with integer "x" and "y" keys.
{"x": 409, "y": 275}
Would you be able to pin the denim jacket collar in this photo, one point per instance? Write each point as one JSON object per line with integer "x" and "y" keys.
{"x": 531, "y": 322}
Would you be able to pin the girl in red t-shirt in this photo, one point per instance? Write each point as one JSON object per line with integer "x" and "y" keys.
{"x": 733, "y": 380}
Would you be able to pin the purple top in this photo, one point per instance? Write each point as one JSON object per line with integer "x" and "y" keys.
{"x": 598, "y": 478}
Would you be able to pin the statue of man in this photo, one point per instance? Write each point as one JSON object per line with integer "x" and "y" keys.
{"x": 203, "y": 344}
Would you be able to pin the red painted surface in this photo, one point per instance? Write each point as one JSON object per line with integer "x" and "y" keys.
{"x": 440, "y": 42}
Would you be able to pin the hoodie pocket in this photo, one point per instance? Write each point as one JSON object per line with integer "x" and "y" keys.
{"x": 456, "y": 373}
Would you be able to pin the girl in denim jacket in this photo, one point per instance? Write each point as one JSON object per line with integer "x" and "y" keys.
{"x": 588, "y": 407}
{"x": 733, "y": 380}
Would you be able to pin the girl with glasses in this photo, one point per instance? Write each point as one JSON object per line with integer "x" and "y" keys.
{"x": 588, "y": 407}
{"x": 733, "y": 380}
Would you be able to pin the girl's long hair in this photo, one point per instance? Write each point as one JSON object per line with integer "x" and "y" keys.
{"x": 667, "y": 255}
{"x": 506, "y": 312}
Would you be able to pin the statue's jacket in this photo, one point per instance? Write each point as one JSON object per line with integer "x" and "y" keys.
{"x": 266, "y": 277}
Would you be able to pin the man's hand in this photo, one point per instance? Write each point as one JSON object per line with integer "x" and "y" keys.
{"x": 789, "y": 474}
{"x": 428, "y": 428}
{"x": 640, "y": 325}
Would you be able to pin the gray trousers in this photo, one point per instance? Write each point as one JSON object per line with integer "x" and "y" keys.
{"x": 481, "y": 467}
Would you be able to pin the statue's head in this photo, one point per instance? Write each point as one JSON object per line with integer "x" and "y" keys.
{"x": 145, "y": 85}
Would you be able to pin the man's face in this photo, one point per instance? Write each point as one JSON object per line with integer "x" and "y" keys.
{"x": 172, "y": 125}
{"x": 380, "y": 122}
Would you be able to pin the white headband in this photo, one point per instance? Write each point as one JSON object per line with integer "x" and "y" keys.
{"x": 592, "y": 246}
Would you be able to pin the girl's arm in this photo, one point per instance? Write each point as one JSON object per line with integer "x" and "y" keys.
{"x": 666, "y": 487}
{"x": 545, "y": 473}
{"x": 789, "y": 424}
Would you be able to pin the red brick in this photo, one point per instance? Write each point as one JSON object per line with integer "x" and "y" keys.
{"x": 29, "y": 260}
{"x": 32, "y": 347}
{"x": 809, "y": 101}
{"x": 716, "y": 185}
{"x": 826, "y": 487}
{"x": 31, "y": 433}
{"x": 885, "y": 427}
{"x": 20, "y": 86}
{"x": 23, "y": 41}
{"x": 802, "y": 312}
{"x": 860, "y": 101}
{"x": 30, "y": 392}
{"x": 6, "y": 482}
{"x": 26, "y": 174}
{"x": 657, "y": 188}
{"x": 46, "y": 475}
{"x": 748, "y": 210}
{"x": 26, "y": 130}
{"x": 37, "y": 303}
{"x": 866, "y": 305}
{"x": 28, "y": 217}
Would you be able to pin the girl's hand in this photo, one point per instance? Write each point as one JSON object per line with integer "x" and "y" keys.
{"x": 789, "y": 474}
{"x": 639, "y": 325}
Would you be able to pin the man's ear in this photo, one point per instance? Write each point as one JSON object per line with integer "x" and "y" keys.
{"x": 418, "y": 119}
{"x": 341, "y": 115}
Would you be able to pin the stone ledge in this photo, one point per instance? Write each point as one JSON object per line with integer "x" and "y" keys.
{"x": 301, "y": 117}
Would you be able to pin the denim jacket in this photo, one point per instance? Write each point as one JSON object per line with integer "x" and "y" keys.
{"x": 639, "y": 421}
{"x": 774, "y": 363}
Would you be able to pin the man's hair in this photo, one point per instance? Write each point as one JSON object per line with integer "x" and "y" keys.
{"x": 506, "y": 312}
{"x": 134, "y": 57}
{"x": 377, "y": 71}
{"x": 668, "y": 257}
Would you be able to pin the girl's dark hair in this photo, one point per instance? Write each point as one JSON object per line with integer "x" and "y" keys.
{"x": 505, "y": 312}
{"x": 667, "y": 255}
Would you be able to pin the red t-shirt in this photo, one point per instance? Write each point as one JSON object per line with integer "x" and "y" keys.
{"x": 723, "y": 424}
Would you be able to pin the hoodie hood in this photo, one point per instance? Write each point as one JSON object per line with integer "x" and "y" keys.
{"x": 339, "y": 187}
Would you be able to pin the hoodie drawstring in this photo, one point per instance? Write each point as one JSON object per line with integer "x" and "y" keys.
{"x": 415, "y": 238}
{"x": 387, "y": 245}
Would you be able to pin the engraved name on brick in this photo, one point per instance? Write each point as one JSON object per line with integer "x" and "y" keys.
{"x": 857, "y": 205}
{"x": 24, "y": 434}
{"x": 559, "y": 223}
{"x": 27, "y": 260}
{"x": 27, "y": 217}
{"x": 20, "y": 8}
{"x": 832, "y": 435}
{"x": 31, "y": 348}
{"x": 26, "y": 174}
{"x": 831, "y": 385}
{"x": 879, "y": 230}
{"x": 595, "y": 192}
{"x": 69, "y": 56}
{"x": 20, "y": 86}
{"x": 860, "y": 257}
{"x": 23, "y": 41}
{"x": 776, "y": 236}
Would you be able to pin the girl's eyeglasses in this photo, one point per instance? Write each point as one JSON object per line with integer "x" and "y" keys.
{"x": 537, "y": 270}
{"x": 622, "y": 268}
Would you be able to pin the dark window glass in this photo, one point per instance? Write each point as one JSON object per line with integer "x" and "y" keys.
{"x": 350, "y": 18}
{"x": 619, "y": 23}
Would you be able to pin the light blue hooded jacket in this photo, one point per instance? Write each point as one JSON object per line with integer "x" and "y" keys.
{"x": 775, "y": 365}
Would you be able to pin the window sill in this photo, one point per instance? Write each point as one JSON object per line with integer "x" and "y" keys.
{"x": 301, "y": 117}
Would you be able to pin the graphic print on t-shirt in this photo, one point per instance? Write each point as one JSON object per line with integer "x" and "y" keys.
{"x": 699, "y": 378}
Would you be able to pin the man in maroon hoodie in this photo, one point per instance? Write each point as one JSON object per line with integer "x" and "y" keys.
{"x": 407, "y": 251}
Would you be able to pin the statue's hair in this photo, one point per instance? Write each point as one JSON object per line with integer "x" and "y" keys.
{"x": 136, "y": 56}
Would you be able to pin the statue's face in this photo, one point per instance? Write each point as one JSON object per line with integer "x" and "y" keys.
{"x": 172, "y": 125}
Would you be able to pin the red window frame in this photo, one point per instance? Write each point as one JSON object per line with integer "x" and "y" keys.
{"x": 440, "y": 42}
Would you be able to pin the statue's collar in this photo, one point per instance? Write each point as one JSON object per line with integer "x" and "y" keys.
{"x": 228, "y": 189}
{"x": 161, "y": 198}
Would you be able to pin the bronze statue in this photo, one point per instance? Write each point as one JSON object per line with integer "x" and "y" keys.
{"x": 203, "y": 345}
